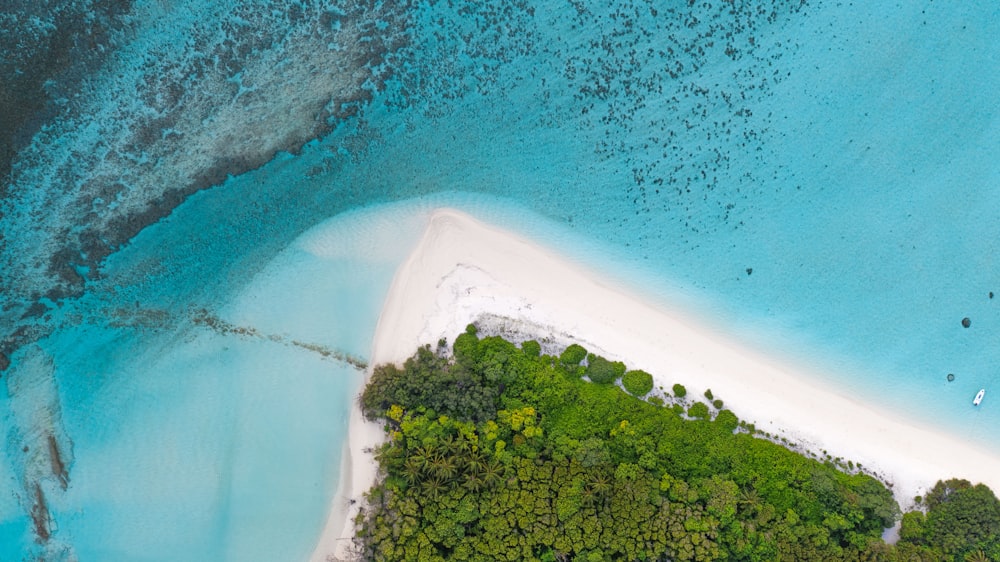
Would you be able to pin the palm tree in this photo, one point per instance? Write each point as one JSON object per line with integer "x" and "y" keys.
{"x": 475, "y": 462}
{"x": 600, "y": 482}
{"x": 473, "y": 482}
{"x": 977, "y": 556}
{"x": 449, "y": 444}
{"x": 492, "y": 473}
{"x": 413, "y": 470}
{"x": 749, "y": 499}
{"x": 422, "y": 455}
{"x": 462, "y": 442}
{"x": 390, "y": 457}
{"x": 444, "y": 466}
{"x": 449, "y": 468}
{"x": 433, "y": 488}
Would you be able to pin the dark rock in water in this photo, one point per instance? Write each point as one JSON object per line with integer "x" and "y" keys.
{"x": 749, "y": 270}
{"x": 4, "y": 361}
{"x": 951, "y": 377}
{"x": 991, "y": 294}
{"x": 40, "y": 516}
{"x": 966, "y": 322}
{"x": 59, "y": 469}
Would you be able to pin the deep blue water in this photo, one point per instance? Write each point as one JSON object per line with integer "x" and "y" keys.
{"x": 818, "y": 179}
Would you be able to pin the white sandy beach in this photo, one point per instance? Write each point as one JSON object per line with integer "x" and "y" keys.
{"x": 463, "y": 269}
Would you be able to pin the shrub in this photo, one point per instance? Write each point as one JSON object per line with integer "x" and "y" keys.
{"x": 717, "y": 403}
{"x": 727, "y": 421}
{"x": 708, "y": 394}
{"x": 572, "y": 355}
{"x": 531, "y": 348}
{"x": 655, "y": 400}
{"x": 637, "y": 383}
{"x": 698, "y": 410}
{"x": 466, "y": 348}
{"x": 619, "y": 368}
{"x": 601, "y": 371}
{"x": 680, "y": 391}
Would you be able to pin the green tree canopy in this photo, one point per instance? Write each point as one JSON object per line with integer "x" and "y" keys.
{"x": 637, "y": 382}
{"x": 573, "y": 355}
{"x": 499, "y": 453}
{"x": 602, "y": 371}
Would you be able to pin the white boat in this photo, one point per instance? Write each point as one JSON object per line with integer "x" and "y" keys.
{"x": 979, "y": 397}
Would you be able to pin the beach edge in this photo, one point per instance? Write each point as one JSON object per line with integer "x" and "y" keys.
{"x": 463, "y": 269}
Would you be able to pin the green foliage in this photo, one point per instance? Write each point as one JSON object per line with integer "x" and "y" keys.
{"x": 698, "y": 410}
{"x": 602, "y": 371}
{"x": 551, "y": 467}
{"x": 718, "y": 404}
{"x": 708, "y": 394}
{"x": 637, "y": 382}
{"x": 961, "y": 519}
{"x": 912, "y": 530}
{"x": 531, "y": 348}
{"x": 467, "y": 389}
{"x": 679, "y": 390}
{"x": 727, "y": 421}
{"x": 573, "y": 355}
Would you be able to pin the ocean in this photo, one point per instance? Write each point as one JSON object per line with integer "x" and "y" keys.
{"x": 206, "y": 208}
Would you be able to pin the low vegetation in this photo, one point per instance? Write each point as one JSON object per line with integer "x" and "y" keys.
{"x": 679, "y": 390}
{"x": 638, "y": 383}
{"x": 501, "y": 453}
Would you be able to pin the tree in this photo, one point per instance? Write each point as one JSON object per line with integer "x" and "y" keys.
{"x": 637, "y": 382}
{"x": 977, "y": 556}
{"x": 492, "y": 474}
{"x": 679, "y": 390}
{"x": 602, "y": 371}
{"x": 573, "y": 355}
{"x": 961, "y": 515}
{"x": 413, "y": 471}
{"x": 473, "y": 482}
{"x": 727, "y": 421}
{"x": 531, "y": 348}
{"x": 913, "y": 529}
{"x": 433, "y": 488}
{"x": 698, "y": 410}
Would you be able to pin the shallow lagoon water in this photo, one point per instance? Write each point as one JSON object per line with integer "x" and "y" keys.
{"x": 827, "y": 191}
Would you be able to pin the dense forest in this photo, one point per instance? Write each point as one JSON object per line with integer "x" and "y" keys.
{"x": 500, "y": 452}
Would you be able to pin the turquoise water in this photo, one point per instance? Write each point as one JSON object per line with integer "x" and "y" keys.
{"x": 818, "y": 180}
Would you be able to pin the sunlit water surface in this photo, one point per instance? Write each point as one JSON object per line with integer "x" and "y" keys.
{"x": 819, "y": 181}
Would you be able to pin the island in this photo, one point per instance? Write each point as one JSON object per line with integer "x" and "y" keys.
{"x": 575, "y": 442}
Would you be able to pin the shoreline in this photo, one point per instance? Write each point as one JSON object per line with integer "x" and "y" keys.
{"x": 463, "y": 270}
{"x": 358, "y": 471}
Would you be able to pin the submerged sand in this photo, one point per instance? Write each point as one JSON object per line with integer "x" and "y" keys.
{"x": 463, "y": 270}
